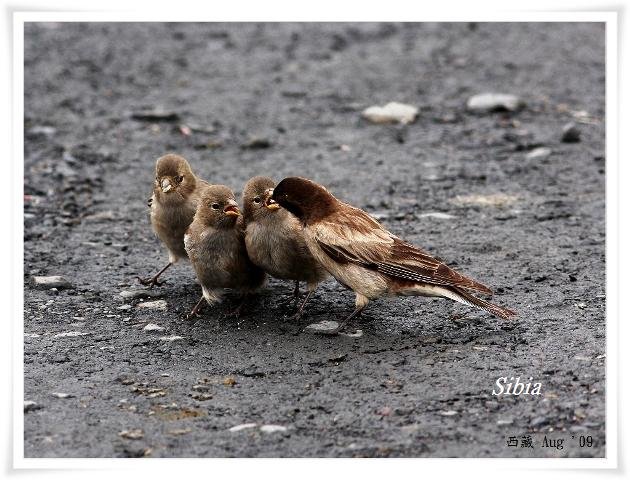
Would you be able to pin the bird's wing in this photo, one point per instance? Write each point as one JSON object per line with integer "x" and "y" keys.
{"x": 351, "y": 236}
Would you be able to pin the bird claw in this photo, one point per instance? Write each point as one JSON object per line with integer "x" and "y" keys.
{"x": 191, "y": 315}
{"x": 151, "y": 282}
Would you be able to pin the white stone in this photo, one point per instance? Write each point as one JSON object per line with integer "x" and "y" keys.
{"x": 488, "y": 102}
{"x": 62, "y": 395}
{"x": 448, "y": 413}
{"x": 438, "y": 215}
{"x": 54, "y": 281}
{"x": 273, "y": 428}
{"x": 492, "y": 200}
{"x": 154, "y": 305}
{"x": 70, "y": 334}
{"x": 538, "y": 154}
{"x": 172, "y": 338}
{"x": 323, "y": 326}
{"x": 152, "y": 327}
{"x": 132, "y": 294}
{"x": 393, "y": 112}
{"x": 356, "y": 334}
{"x": 243, "y": 426}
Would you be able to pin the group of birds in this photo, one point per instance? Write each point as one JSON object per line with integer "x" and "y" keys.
{"x": 294, "y": 230}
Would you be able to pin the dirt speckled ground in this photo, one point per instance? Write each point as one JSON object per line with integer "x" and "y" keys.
{"x": 416, "y": 383}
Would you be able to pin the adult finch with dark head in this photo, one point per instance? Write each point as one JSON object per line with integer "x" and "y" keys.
{"x": 176, "y": 193}
{"x": 215, "y": 243}
{"x": 275, "y": 240}
{"x": 368, "y": 259}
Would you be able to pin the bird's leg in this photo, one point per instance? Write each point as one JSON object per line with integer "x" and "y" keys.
{"x": 152, "y": 281}
{"x": 300, "y": 311}
{"x": 293, "y": 299}
{"x": 237, "y": 311}
{"x": 196, "y": 309}
{"x": 357, "y": 311}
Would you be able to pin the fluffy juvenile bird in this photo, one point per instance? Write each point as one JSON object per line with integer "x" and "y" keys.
{"x": 215, "y": 245}
{"x": 275, "y": 241}
{"x": 365, "y": 257}
{"x": 176, "y": 193}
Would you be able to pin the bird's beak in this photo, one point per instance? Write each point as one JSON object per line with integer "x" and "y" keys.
{"x": 271, "y": 204}
{"x": 166, "y": 185}
{"x": 231, "y": 209}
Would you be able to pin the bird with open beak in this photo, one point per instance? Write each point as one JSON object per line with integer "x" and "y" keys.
{"x": 365, "y": 257}
{"x": 275, "y": 241}
{"x": 215, "y": 243}
{"x": 176, "y": 193}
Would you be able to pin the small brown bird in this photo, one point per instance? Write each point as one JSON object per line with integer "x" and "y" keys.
{"x": 275, "y": 241}
{"x": 176, "y": 192}
{"x": 368, "y": 259}
{"x": 215, "y": 243}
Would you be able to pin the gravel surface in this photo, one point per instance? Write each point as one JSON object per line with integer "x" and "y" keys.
{"x": 504, "y": 196}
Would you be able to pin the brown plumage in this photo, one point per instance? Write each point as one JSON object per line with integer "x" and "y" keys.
{"x": 365, "y": 257}
{"x": 176, "y": 193}
{"x": 275, "y": 241}
{"x": 215, "y": 244}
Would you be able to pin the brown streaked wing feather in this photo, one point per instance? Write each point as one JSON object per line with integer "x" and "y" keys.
{"x": 352, "y": 236}
{"x": 416, "y": 261}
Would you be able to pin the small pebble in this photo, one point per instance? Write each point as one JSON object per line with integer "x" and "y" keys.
{"x": 62, "y": 395}
{"x": 538, "y": 154}
{"x": 70, "y": 334}
{"x": 126, "y": 306}
{"x": 393, "y": 112}
{"x": 106, "y": 216}
{"x": 256, "y": 143}
{"x": 154, "y": 305}
{"x": 438, "y": 215}
{"x": 244, "y": 426}
{"x": 172, "y": 338}
{"x": 322, "y": 327}
{"x": 133, "y": 294}
{"x": 492, "y": 200}
{"x": 54, "y": 281}
{"x": 538, "y": 421}
{"x": 29, "y": 406}
{"x": 505, "y": 421}
{"x": 135, "y": 434}
{"x": 42, "y": 130}
{"x": 448, "y": 413}
{"x": 570, "y": 133}
{"x": 152, "y": 327}
{"x": 273, "y": 428}
{"x": 356, "y": 334}
{"x": 494, "y": 102}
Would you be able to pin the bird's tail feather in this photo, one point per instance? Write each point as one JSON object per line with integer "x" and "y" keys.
{"x": 473, "y": 301}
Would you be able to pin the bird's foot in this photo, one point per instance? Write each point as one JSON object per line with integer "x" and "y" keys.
{"x": 151, "y": 282}
{"x": 192, "y": 315}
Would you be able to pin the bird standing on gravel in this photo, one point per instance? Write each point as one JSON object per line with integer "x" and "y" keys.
{"x": 275, "y": 241}
{"x": 215, "y": 243}
{"x": 176, "y": 193}
{"x": 365, "y": 257}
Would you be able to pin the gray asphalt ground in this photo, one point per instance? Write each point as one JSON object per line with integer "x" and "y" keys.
{"x": 416, "y": 377}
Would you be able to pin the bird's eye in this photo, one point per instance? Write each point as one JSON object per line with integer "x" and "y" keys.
{"x": 179, "y": 178}
{"x": 215, "y": 206}
{"x": 256, "y": 199}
